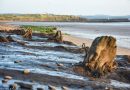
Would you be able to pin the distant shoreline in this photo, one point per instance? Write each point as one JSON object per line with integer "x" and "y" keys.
{"x": 66, "y": 21}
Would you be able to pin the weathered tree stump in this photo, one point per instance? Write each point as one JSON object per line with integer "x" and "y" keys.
{"x": 85, "y": 48}
{"x": 57, "y": 37}
{"x": 3, "y": 39}
{"x": 100, "y": 57}
{"x": 28, "y": 34}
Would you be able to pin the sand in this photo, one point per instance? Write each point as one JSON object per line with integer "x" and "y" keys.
{"x": 78, "y": 41}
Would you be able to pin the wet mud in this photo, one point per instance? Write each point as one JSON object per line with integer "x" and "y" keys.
{"x": 52, "y": 64}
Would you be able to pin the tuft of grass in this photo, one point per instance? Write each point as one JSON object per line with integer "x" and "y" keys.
{"x": 41, "y": 29}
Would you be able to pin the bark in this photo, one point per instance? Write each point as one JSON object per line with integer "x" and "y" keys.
{"x": 57, "y": 37}
{"x": 100, "y": 57}
{"x": 28, "y": 34}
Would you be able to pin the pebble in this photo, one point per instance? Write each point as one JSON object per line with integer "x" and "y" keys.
{"x": 4, "y": 80}
{"x": 3, "y": 57}
{"x": 50, "y": 87}
{"x": 26, "y": 71}
{"x": 18, "y": 61}
{"x": 40, "y": 89}
{"x": 60, "y": 64}
{"x": 8, "y": 77}
{"x": 64, "y": 88}
{"x": 13, "y": 86}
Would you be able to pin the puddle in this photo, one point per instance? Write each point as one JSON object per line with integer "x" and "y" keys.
{"x": 119, "y": 84}
{"x": 49, "y": 44}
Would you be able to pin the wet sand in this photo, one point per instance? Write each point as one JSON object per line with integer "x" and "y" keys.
{"x": 79, "y": 41}
{"x": 52, "y": 63}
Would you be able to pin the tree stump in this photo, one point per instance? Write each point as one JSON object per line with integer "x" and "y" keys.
{"x": 3, "y": 39}
{"x": 28, "y": 34}
{"x": 57, "y": 37}
{"x": 85, "y": 48}
{"x": 100, "y": 57}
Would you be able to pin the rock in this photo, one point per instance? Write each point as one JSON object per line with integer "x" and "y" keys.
{"x": 26, "y": 71}
{"x": 8, "y": 77}
{"x": 18, "y": 61}
{"x": 64, "y": 88}
{"x": 3, "y": 57}
{"x": 4, "y": 80}
{"x": 3, "y": 39}
{"x": 50, "y": 87}
{"x": 25, "y": 85}
{"x": 13, "y": 87}
{"x": 21, "y": 43}
{"x": 28, "y": 34}
{"x": 40, "y": 89}
{"x": 60, "y": 64}
{"x": 100, "y": 58}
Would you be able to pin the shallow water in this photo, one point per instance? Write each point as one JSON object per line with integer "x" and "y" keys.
{"x": 119, "y": 30}
{"x": 33, "y": 58}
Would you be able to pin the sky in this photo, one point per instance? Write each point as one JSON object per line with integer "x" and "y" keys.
{"x": 67, "y": 7}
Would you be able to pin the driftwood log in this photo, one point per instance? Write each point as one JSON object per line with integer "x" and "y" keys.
{"x": 28, "y": 34}
{"x": 100, "y": 58}
{"x": 57, "y": 37}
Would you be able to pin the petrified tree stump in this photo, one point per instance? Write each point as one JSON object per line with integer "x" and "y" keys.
{"x": 28, "y": 34}
{"x": 100, "y": 57}
{"x": 57, "y": 37}
{"x": 85, "y": 48}
{"x": 3, "y": 39}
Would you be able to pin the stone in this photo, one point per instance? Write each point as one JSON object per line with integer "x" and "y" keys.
{"x": 8, "y": 77}
{"x": 4, "y": 80}
{"x": 40, "y": 89}
{"x": 26, "y": 71}
{"x": 101, "y": 56}
{"x": 50, "y": 87}
{"x": 18, "y": 61}
{"x": 13, "y": 86}
{"x": 3, "y": 57}
{"x": 64, "y": 88}
{"x": 60, "y": 64}
{"x": 25, "y": 85}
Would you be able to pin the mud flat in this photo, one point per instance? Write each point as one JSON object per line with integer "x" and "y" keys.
{"x": 50, "y": 65}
